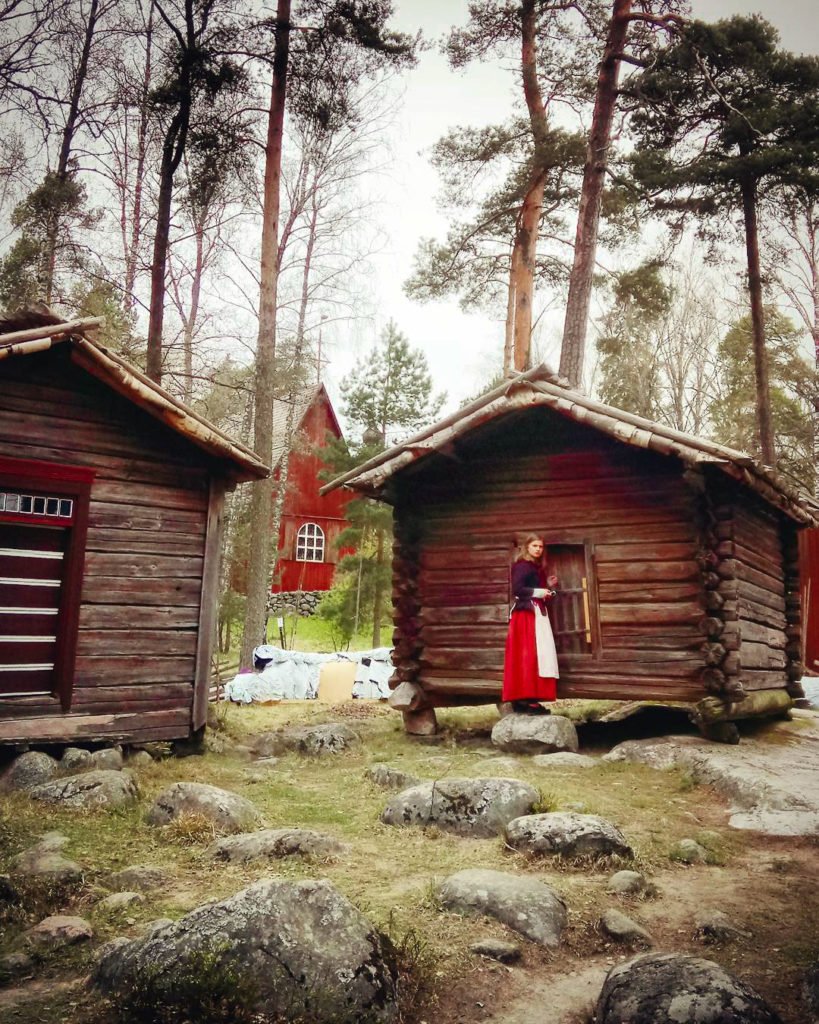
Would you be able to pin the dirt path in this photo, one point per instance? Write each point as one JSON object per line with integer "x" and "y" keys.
{"x": 35, "y": 992}
{"x": 769, "y": 787}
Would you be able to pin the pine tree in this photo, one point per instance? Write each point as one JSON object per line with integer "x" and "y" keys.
{"x": 387, "y": 397}
{"x": 726, "y": 117}
{"x": 629, "y": 364}
{"x": 390, "y": 390}
{"x": 794, "y": 390}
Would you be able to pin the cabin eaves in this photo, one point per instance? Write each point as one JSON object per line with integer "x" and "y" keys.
{"x": 542, "y": 387}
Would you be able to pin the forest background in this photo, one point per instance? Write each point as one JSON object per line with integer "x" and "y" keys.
{"x": 135, "y": 158}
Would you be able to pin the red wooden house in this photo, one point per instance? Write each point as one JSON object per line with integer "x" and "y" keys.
{"x": 311, "y": 522}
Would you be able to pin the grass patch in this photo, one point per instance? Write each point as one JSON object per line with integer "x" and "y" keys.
{"x": 548, "y": 803}
{"x": 389, "y": 872}
{"x": 206, "y": 987}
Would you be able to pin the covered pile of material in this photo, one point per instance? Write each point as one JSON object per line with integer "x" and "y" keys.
{"x": 294, "y": 675}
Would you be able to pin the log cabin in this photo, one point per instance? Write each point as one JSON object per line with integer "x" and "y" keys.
{"x": 677, "y": 557}
{"x": 111, "y": 495}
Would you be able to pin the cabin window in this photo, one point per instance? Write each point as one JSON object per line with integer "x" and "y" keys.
{"x": 572, "y": 612}
{"x": 310, "y": 543}
{"x": 43, "y": 523}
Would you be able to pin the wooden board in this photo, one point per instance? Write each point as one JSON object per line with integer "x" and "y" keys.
{"x": 143, "y": 726}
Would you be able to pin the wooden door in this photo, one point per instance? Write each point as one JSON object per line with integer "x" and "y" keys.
{"x": 32, "y": 566}
{"x": 570, "y": 610}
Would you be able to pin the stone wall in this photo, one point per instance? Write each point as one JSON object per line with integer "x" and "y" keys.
{"x": 303, "y": 602}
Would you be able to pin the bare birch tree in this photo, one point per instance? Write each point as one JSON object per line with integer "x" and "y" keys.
{"x": 318, "y": 86}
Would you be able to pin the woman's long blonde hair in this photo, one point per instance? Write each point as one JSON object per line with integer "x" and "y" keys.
{"x": 523, "y": 549}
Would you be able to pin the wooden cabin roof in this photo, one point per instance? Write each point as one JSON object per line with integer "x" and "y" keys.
{"x": 542, "y": 387}
{"x": 130, "y": 382}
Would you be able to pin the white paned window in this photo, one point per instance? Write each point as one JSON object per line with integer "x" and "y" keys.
{"x": 29, "y": 504}
{"x": 310, "y": 543}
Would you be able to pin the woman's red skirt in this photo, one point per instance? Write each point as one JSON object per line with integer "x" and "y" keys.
{"x": 520, "y": 678}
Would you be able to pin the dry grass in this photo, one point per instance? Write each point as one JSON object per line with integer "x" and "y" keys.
{"x": 391, "y": 872}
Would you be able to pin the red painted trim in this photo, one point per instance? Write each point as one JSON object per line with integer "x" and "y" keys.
{"x": 71, "y": 593}
{"x": 75, "y": 482}
{"x": 26, "y": 468}
{"x": 29, "y": 519}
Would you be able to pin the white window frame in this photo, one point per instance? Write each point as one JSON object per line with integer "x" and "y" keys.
{"x": 310, "y": 543}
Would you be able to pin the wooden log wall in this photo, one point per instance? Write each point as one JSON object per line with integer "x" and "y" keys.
{"x": 405, "y": 600}
{"x": 755, "y": 609}
{"x": 630, "y": 509}
{"x": 794, "y": 612}
{"x": 140, "y": 605}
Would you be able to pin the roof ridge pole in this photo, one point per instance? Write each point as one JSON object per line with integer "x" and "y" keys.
{"x": 50, "y": 330}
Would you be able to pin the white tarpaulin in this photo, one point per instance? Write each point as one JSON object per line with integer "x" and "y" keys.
{"x": 294, "y": 675}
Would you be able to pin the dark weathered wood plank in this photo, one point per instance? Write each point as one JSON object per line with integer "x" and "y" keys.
{"x": 496, "y": 574}
{"x": 755, "y": 559}
{"x": 474, "y": 613}
{"x": 487, "y": 635}
{"x": 750, "y": 593}
{"x": 107, "y": 590}
{"x": 143, "y": 541}
{"x": 159, "y": 470}
{"x": 740, "y": 609}
{"x": 207, "y": 608}
{"x": 644, "y": 549}
{"x": 755, "y": 655}
{"x": 581, "y": 687}
{"x": 733, "y": 569}
{"x": 758, "y": 633}
{"x": 441, "y": 595}
{"x": 131, "y": 566}
{"x": 689, "y": 640}
{"x": 467, "y": 657}
{"x": 650, "y": 591}
{"x": 609, "y": 667}
{"x": 763, "y": 680}
{"x": 100, "y": 670}
{"x": 152, "y": 495}
{"x": 638, "y": 572}
{"x": 105, "y": 515}
{"x": 132, "y": 616}
{"x": 678, "y": 613}
{"x": 66, "y": 728}
{"x": 148, "y": 642}
{"x": 69, "y": 435}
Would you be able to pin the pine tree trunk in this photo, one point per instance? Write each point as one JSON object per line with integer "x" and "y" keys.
{"x": 763, "y": 396}
{"x": 173, "y": 149}
{"x": 132, "y": 246}
{"x": 69, "y": 130}
{"x": 193, "y": 313}
{"x": 526, "y": 248}
{"x": 588, "y": 216}
{"x": 156, "y": 310}
{"x": 509, "y": 336}
{"x": 260, "y": 506}
{"x": 524, "y": 256}
{"x": 291, "y": 425}
{"x": 378, "y": 598}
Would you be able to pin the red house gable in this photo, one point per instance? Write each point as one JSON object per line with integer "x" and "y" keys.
{"x": 310, "y": 521}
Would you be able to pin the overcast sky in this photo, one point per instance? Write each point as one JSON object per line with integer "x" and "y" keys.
{"x": 461, "y": 348}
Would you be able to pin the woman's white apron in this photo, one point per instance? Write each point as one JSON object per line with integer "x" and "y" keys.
{"x": 546, "y": 653}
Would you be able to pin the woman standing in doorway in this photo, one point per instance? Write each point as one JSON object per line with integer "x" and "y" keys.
{"x": 530, "y": 667}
